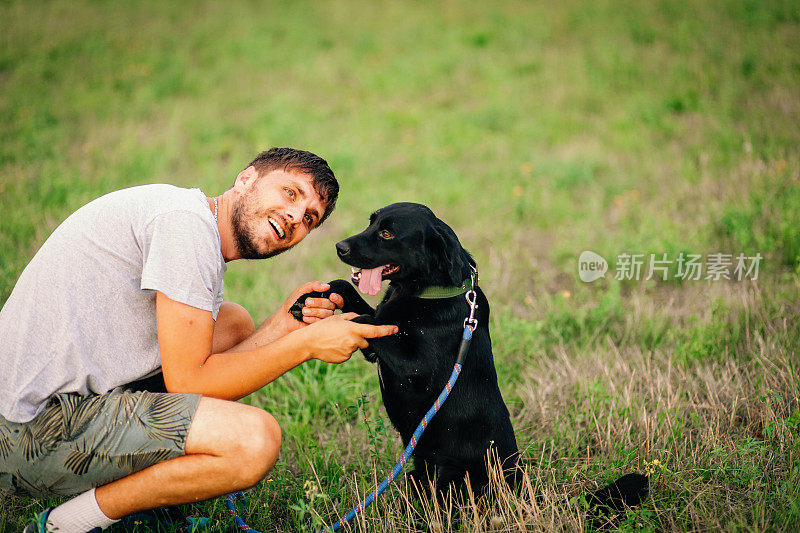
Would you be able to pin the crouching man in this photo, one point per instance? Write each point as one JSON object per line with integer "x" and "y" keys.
{"x": 128, "y": 286}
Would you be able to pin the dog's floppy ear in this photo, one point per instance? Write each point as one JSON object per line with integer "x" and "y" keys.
{"x": 450, "y": 257}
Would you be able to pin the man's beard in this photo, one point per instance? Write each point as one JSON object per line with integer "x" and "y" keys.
{"x": 243, "y": 236}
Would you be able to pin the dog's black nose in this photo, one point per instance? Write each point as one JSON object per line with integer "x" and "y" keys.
{"x": 342, "y": 248}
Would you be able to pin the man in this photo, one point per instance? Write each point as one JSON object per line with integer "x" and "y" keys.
{"x": 131, "y": 284}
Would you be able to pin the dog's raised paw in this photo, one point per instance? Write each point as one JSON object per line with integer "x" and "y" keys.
{"x": 296, "y": 310}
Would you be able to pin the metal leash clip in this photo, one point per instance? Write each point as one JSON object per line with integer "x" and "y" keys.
{"x": 472, "y": 298}
{"x": 471, "y": 322}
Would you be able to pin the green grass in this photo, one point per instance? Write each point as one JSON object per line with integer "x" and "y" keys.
{"x": 536, "y": 131}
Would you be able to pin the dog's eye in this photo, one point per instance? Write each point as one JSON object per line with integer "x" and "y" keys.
{"x": 384, "y": 234}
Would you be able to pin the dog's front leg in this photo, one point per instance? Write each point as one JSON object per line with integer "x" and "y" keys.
{"x": 353, "y": 302}
{"x": 391, "y": 350}
{"x": 369, "y": 352}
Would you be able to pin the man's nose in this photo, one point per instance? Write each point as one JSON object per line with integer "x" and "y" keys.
{"x": 294, "y": 215}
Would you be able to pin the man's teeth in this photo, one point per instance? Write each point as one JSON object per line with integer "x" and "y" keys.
{"x": 277, "y": 227}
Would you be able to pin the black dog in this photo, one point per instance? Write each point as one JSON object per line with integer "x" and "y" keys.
{"x": 423, "y": 260}
{"x": 420, "y": 255}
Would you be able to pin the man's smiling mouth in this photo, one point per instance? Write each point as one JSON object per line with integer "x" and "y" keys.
{"x": 277, "y": 228}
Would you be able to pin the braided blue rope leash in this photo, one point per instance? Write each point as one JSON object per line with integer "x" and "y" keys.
{"x": 230, "y": 503}
{"x": 470, "y": 323}
{"x": 412, "y": 443}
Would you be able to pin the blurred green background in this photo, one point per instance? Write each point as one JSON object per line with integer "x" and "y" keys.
{"x": 537, "y": 131}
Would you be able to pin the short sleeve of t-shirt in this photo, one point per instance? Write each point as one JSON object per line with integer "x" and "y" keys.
{"x": 181, "y": 259}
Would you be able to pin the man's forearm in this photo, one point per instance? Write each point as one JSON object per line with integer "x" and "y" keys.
{"x": 267, "y": 333}
{"x": 185, "y": 337}
{"x": 243, "y": 369}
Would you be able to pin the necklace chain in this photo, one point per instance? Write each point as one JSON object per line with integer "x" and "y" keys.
{"x": 215, "y": 207}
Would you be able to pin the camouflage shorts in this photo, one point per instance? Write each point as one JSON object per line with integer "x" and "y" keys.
{"x": 80, "y": 442}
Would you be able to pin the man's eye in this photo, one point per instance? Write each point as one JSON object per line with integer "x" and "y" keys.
{"x": 384, "y": 234}
{"x": 291, "y": 193}
{"x": 309, "y": 220}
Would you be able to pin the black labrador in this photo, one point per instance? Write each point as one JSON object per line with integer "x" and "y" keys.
{"x": 424, "y": 262}
{"x": 422, "y": 258}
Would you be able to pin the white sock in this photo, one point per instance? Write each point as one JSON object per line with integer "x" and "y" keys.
{"x": 78, "y": 515}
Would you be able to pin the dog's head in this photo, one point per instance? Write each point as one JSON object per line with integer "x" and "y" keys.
{"x": 406, "y": 244}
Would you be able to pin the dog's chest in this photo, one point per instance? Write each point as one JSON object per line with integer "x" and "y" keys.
{"x": 424, "y": 347}
{"x": 409, "y": 369}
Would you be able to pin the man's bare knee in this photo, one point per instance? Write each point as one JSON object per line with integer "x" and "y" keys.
{"x": 234, "y": 324}
{"x": 259, "y": 452}
{"x": 246, "y": 437}
{"x": 237, "y": 319}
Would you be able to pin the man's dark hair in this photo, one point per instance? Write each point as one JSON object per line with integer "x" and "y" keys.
{"x": 287, "y": 159}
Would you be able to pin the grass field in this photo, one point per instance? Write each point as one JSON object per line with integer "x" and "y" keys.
{"x": 537, "y": 131}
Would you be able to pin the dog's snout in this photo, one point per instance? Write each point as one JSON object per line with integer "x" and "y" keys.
{"x": 342, "y": 248}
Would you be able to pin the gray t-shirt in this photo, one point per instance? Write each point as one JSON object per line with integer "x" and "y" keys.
{"x": 82, "y": 316}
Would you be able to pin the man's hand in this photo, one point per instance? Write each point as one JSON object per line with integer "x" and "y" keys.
{"x": 282, "y": 322}
{"x": 334, "y": 339}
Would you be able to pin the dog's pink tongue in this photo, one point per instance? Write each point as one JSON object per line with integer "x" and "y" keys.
{"x": 370, "y": 282}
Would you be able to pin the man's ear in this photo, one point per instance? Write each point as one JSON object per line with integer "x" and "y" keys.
{"x": 245, "y": 179}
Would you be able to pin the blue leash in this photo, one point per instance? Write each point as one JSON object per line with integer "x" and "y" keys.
{"x": 469, "y": 326}
{"x": 230, "y": 503}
